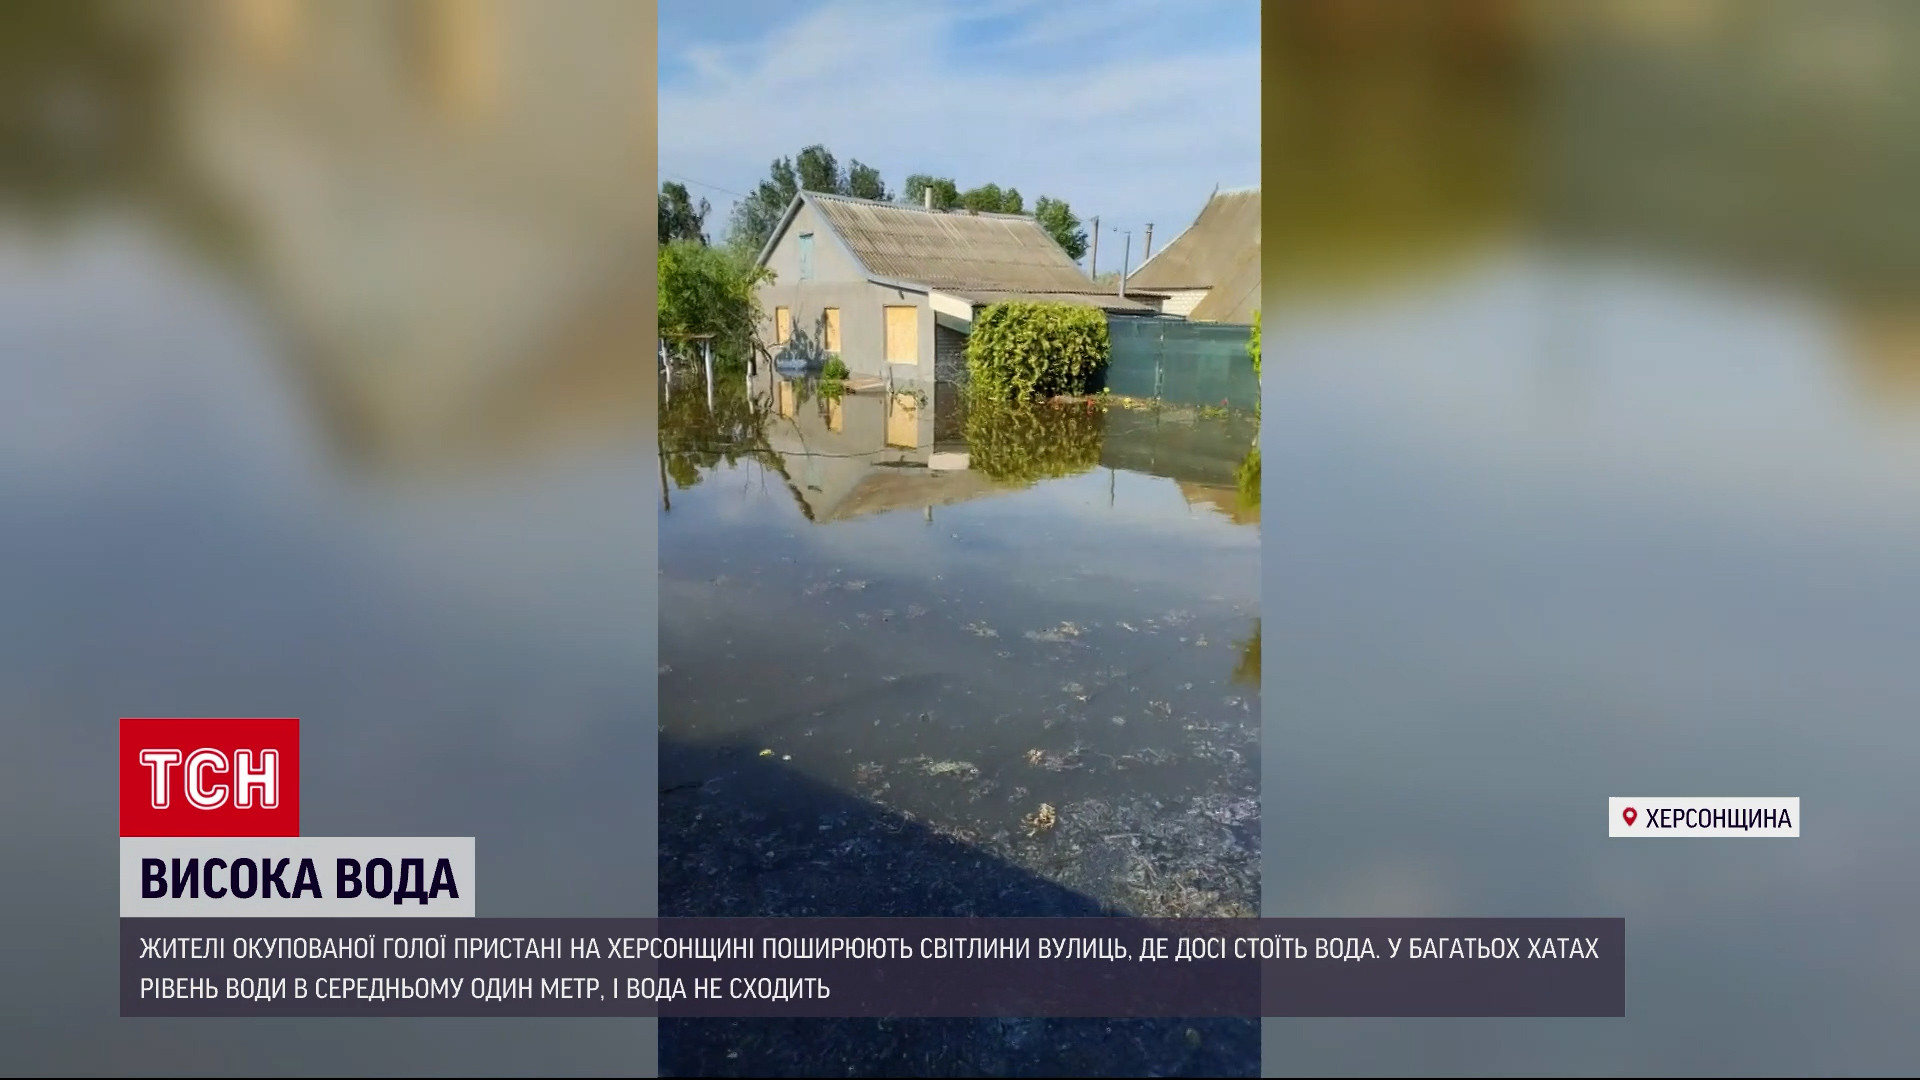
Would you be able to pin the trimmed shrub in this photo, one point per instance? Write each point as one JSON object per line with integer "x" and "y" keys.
{"x": 1023, "y": 351}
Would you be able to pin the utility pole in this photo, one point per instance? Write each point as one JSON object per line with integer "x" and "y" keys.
{"x": 1126, "y": 254}
{"x": 1093, "y": 261}
{"x": 1147, "y": 252}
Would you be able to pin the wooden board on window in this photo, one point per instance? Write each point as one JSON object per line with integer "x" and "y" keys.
{"x": 831, "y": 331}
{"x": 903, "y": 420}
{"x": 903, "y": 335}
{"x": 782, "y": 325}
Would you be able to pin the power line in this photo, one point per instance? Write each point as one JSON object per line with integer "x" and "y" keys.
{"x": 705, "y": 185}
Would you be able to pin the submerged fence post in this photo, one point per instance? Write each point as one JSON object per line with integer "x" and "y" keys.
{"x": 706, "y": 349}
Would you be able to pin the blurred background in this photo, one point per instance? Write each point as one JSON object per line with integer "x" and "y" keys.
{"x": 326, "y": 390}
{"x": 1592, "y": 439}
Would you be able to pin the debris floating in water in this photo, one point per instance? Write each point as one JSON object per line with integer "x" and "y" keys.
{"x": 1055, "y": 760}
{"x": 980, "y": 629}
{"x": 766, "y": 753}
{"x": 964, "y": 770}
{"x": 1040, "y": 820}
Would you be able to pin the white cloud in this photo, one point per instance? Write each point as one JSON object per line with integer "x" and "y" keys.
{"x": 1122, "y": 126}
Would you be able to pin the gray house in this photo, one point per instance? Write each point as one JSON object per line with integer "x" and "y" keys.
{"x": 1211, "y": 271}
{"x": 892, "y": 289}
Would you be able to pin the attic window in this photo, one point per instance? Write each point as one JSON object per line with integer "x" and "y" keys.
{"x": 806, "y": 256}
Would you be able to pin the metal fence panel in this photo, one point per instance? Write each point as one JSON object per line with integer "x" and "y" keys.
{"x": 1182, "y": 363}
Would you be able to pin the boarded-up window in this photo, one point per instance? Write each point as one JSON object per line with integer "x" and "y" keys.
{"x": 789, "y": 400}
{"x": 782, "y": 325}
{"x": 806, "y": 256}
{"x": 836, "y": 414}
{"x": 903, "y": 335}
{"x": 830, "y": 329}
{"x": 903, "y": 420}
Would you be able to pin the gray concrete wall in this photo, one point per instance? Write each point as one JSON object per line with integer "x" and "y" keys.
{"x": 839, "y": 282}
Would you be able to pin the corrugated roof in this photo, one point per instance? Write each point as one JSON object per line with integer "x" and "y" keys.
{"x": 1219, "y": 252}
{"x": 1105, "y": 301}
{"x": 1237, "y": 296}
{"x": 955, "y": 251}
{"x": 884, "y": 491}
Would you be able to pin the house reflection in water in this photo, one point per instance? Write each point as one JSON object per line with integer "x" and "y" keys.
{"x": 434, "y": 203}
{"x": 876, "y": 451}
{"x": 872, "y": 452}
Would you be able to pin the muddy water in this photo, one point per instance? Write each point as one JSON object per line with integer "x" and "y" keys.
{"x": 996, "y": 671}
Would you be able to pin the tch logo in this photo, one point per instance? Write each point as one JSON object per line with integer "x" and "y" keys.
{"x": 209, "y": 777}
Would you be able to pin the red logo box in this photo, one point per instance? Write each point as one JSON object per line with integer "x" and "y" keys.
{"x": 209, "y": 777}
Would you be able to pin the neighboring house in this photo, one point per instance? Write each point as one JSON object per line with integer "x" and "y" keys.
{"x": 892, "y": 289}
{"x": 1211, "y": 272}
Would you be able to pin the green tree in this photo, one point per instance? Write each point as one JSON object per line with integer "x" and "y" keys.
{"x": 680, "y": 217}
{"x": 817, "y": 170}
{"x": 705, "y": 290}
{"x": 990, "y": 199}
{"x": 814, "y": 168}
{"x": 755, "y": 216}
{"x": 863, "y": 182}
{"x": 1055, "y": 216}
{"x": 1253, "y": 343}
{"x": 945, "y": 195}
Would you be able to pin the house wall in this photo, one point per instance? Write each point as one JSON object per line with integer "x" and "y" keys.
{"x": 1181, "y": 302}
{"x": 840, "y": 282}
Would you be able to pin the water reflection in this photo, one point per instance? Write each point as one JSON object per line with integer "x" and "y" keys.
{"x": 920, "y": 659}
{"x": 1599, "y": 478}
{"x": 319, "y": 324}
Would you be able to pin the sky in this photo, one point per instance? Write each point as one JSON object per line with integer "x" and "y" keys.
{"x": 1134, "y": 110}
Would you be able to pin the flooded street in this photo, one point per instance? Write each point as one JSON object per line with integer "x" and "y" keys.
{"x": 901, "y": 676}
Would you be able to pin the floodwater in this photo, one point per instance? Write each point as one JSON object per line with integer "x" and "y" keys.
{"x": 1561, "y": 528}
{"x": 915, "y": 662}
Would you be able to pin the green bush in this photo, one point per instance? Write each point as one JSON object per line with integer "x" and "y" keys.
{"x": 1253, "y": 343}
{"x": 1021, "y": 351}
{"x": 835, "y": 369}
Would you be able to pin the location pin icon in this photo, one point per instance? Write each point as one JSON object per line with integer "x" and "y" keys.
{"x": 1629, "y": 813}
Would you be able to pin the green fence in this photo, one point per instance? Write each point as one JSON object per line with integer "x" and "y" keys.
{"x": 1182, "y": 363}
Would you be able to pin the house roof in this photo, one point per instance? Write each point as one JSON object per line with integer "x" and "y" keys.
{"x": 959, "y": 252}
{"x": 1219, "y": 252}
{"x": 884, "y": 491}
{"x": 1106, "y": 301}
